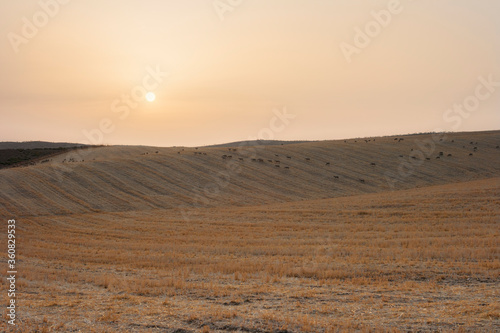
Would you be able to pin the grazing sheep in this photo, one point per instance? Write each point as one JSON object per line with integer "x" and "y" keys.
{"x": 470, "y": 154}
{"x": 270, "y": 161}
{"x": 401, "y": 156}
{"x": 372, "y": 164}
{"x": 240, "y": 158}
{"x": 287, "y": 167}
{"x": 276, "y": 155}
{"x": 308, "y": 159}
{"x": 395, "y": 139}
{"x": 449, "y": 155}
{"x": 437, "y": 157}
{"x": 441, "y": 153}
{"x": 277, "y": 165}
{"x": 290, "y": 157}
{"x": 327, "y": 163}
{"x": 276, "y": 161}
{"x": 336, "y": 177}
{"x": 428, "y": 158}
{"x": 362, "y": 180}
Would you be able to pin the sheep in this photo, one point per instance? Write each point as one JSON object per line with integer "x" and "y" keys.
{"x": 290, "y": 157}
{"x": 470, "y": 154}
{"x": 372, "y": 164}
{"x": 308, "y": 159}
{"x": 287, "y": 167}
{"x": 362, "y": 180}
{"x": 327, "y": 163}
{"x": 336, "y": 177}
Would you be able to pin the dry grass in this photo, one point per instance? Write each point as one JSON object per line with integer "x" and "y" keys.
{"x": 422, "y": 259}
{"x": 115, "y": 179}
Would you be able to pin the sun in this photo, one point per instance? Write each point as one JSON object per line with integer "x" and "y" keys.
{"x": 150, "y": 96}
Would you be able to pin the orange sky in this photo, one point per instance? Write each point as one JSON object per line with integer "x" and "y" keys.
{"x": 231, "y": 64}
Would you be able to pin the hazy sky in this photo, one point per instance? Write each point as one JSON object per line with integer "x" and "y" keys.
{"x": 343, "y": 68}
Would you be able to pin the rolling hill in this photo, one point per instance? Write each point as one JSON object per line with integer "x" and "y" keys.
{"x": 133, "y": 178}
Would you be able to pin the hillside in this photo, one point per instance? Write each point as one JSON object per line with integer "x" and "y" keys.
{"x": 38, "y": 145}
{"x": 419, "y": 260}
{"x": 114, "y": 179}
{"x": 258, "y": 143}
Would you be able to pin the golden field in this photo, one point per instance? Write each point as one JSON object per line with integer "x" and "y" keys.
{"x": 121, "y": 244}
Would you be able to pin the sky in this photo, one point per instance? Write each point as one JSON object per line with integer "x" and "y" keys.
{"x": 230, "y": 70}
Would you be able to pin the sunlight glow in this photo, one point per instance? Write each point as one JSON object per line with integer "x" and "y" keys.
{"x": 150, "y": 96}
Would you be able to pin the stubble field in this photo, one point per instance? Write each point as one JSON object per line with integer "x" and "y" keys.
{"x": 411, "y": 260}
